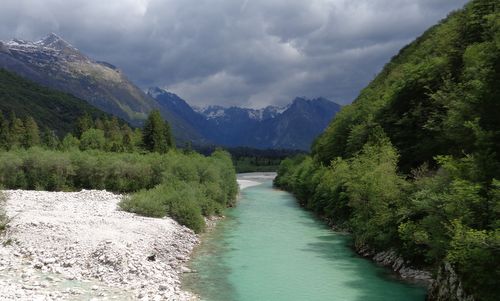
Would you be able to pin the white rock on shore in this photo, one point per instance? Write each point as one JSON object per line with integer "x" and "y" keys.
{"x": 80, "y": 246}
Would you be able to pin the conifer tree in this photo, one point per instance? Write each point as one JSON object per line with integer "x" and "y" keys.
{"x": 4, "y": 132}
{"x": 16, "y": 131}
{"x": 168, "y": 135}
{"x": 114, "y": 136}
{"x": 32, "y": 133}
{"x": 155, "y": 133}
{"x": 127, "y": 138}
{"x": 84, "y": 123}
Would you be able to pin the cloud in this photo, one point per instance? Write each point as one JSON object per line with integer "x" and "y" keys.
{"x": 234, "y": 52}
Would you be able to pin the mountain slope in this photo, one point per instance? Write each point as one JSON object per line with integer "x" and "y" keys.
{"x": 53, "y": 62}
{"x": 413, "y": 165}
{"x": 50, "y": 108}
{"x": 298, "y": 125}
{"x": 292, "y": 127}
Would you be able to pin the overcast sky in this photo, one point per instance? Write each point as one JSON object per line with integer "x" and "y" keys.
{"x": 234, "y": 52}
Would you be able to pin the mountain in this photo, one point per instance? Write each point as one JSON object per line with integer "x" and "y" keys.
{"x": 50, "y": 108}
{"x": 55, "y": 63}
{"x": 178, "y": 106}
{"x": 291, "y": 127}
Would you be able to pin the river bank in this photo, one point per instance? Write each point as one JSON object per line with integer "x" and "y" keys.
{"x": 80, "y": 246}
{"x": 268, "y": 248}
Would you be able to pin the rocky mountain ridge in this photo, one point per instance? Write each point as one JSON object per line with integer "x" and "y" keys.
{"x": 55, "y": 63}
{"x": 293, "y": 126}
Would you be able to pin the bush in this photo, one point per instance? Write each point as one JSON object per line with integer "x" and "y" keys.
{"x": 182, "y": 186}
{"x": 190, "y": 189}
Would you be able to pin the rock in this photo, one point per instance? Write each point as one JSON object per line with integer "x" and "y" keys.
{"x": 392, "y": 260}
{"x": 447, "y": 286}
{"x": 185, "y": 269}
{"x": 48, "y": 261}
{"x": 84, "y": 238}
{"x": 162, "y": 287}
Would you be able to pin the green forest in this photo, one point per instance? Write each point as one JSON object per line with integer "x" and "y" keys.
{"x": 414, "y": 163}
{"x": 108, "y": 154}
{"x": 55, "y": 110}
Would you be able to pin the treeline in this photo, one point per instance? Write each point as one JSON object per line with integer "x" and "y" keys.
{"x": 108, "y": 154}
{"x": 414, "y": 163}
{"x": 247, "y": 159}
{"x": 183, "y": 186}
{"x": 106, "y": 134}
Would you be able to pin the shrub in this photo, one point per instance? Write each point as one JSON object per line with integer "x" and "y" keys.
{"x": 182, "y": 186}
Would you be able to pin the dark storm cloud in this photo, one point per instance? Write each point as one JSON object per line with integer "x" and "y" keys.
{"x": 234, "y": 52}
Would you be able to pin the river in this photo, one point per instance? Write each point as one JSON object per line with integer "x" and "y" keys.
{"x": 270, "y": 249}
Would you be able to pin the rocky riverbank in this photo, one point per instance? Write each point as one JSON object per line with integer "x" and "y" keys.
{"x": 403, "y": 268}
{"x": 445, "y": 287}
{"x": 80, "y": 246}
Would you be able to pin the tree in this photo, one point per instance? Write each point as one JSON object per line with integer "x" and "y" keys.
{"x": 127, "y": 138}
{"x": 92, "y": 139}
{"x": 50, "y": 139}
{"x": 4, "y": 132}
{"x": 32, "y": 133}
{"x": 16, "y": 130}
{"x": 156, "y": 135}
{"x": 70, "y": 142}
{"x": 114, "y": 135}
{"x": 168, "y": 135}
{"x": 84, "y": 123}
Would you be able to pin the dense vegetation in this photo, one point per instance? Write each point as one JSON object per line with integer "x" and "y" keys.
{"x": 105, "y": 154}
{"x": 57, "y": 111}
{"x": 414, "y": 163}
{"x": 259, "y": 160}
{"x": 247, "y": 159}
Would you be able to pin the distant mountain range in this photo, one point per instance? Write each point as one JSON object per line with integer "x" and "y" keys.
{"x": 291, "y": 127}
{"x": 54, "y": 63}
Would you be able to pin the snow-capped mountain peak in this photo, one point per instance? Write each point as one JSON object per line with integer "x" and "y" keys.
{"x": 54, "y": 41}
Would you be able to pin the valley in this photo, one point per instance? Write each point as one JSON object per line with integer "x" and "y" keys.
{"x": 307, "y": 150}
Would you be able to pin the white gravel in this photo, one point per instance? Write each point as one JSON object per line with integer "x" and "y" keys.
{"x": 80, "y": 246}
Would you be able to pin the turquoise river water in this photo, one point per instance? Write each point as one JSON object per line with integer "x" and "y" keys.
{"x": 270, "y": 249}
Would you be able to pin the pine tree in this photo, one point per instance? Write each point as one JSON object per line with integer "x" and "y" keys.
{"x": 4, "y": 132}
{"x": 32, "y": 133}
{"x": 99, "y": 124}
{"x": 155, "y": 133}
{"x": 114, "y": 135}
{"x": 16, "y": 131}
{"x": 83, "y": 123}
{"x": 168, "y": 135}
{"x": 127, "y": 138}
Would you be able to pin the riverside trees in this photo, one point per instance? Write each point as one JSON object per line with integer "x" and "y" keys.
{"x": 108, "y": 154}
{"x": 414, "y": 162}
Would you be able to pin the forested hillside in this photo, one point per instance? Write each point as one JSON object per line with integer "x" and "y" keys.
{"x": 55, "y": 110}
{"x": 414, "y": 163}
